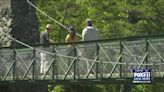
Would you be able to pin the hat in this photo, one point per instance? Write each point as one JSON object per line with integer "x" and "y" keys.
{"x": 89, "y": 21}
{"x": 71, "y": 29}
{"x": 49, "y": 26}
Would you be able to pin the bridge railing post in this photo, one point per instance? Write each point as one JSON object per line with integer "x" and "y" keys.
{"x": 34, "y": 64}
{"x": 75, "y": 63}
{"x": 120, "y": 60}
{"x": 14, "y": 60}
{"x": 14, "y": 64}
{"x": 54, "y": 66}
{"x": 97, "y": 64}
{"x": 147, "y": 51}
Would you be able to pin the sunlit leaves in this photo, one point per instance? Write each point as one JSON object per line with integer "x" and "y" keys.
{"x": 113, "y": 18}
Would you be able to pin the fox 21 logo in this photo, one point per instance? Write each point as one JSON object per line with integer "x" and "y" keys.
{"x": 141, "y": 76}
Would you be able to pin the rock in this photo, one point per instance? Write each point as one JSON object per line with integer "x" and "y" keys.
{"x": 24, "y": 23}
{"x": 4, "y": 23}
{"x": 9, "y": 22}
{"x": 18, "y": 19}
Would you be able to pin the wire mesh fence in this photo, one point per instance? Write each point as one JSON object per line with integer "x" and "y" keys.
{"x": 93, "y": 60}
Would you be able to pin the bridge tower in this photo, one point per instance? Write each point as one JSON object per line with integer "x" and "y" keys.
{"x": 19, "y": 19}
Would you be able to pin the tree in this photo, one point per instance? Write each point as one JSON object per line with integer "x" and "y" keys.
{"x": 113, "y": 18}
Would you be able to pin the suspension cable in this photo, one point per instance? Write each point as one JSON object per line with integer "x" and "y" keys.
{"x": 24, "y": 44}
{"x": 30, "y": 3}
{"x": 42, "y": 12}
{"x": 16, "y": 40}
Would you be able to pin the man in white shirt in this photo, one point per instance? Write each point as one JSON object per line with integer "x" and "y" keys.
{"x": 90, "y": 33}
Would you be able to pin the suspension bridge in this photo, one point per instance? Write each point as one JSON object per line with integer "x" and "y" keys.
{"x": 113, "y": 60}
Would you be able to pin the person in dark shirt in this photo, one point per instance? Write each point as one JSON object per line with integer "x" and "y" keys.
{"x": 45, "y": 39}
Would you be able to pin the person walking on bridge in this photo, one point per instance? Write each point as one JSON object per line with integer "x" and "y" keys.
{"x": 45, "y": 39}
{"x": 70, "y": 38}
{"x": 89, "y": 33}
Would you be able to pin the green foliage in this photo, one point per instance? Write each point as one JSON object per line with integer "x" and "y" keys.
{"x": 113, "y": 18}
{"x": 84, "y": 88}
{"x": 142, "y": 88}
{"x": 58, "y": 88}
{"x": 148, "y": 88}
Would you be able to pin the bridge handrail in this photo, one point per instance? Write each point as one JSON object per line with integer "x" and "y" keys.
{"x": 121, "y": 39}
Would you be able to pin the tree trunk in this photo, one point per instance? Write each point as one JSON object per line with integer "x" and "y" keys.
{"x": 125, "y": 87}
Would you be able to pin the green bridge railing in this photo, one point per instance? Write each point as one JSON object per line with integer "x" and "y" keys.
{"x": 96, "y": 60}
